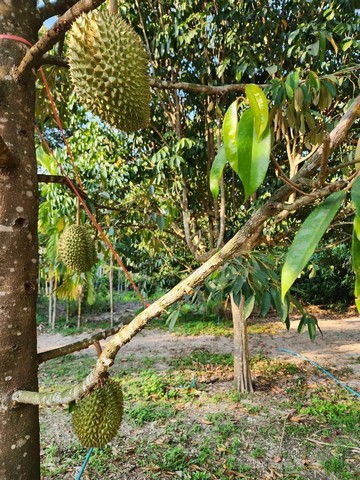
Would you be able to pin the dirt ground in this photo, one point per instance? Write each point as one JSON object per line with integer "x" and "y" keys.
{"x": 338, "y": 348}
{"x": 259, "y": 420}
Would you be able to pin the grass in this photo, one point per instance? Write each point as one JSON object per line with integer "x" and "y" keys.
{"x": 173, "y": 428}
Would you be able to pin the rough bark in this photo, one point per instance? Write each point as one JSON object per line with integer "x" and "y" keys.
{"x": 19, "y": 438}
{"x": 242, "y": 375}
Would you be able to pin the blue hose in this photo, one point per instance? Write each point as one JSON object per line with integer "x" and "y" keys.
{"x": 87, "y": 458}
{"x": 349, "y": 389}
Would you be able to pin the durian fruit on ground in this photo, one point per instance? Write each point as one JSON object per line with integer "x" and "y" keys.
{"x": 109, "y": 70}
{"x": 77, "y": 248}
{"x": 97, "y": 416}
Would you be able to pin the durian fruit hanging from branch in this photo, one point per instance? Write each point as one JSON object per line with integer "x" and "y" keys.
{"x": 97, "y": 416}
{"x": 109, "y": 70}
{"x": 77, "y": 248}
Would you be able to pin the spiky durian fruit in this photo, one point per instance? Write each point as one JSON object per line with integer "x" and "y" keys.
{"x": 108, "y": 67}
{"x": 97, "y": 416}
{"x": 77, "y": 249}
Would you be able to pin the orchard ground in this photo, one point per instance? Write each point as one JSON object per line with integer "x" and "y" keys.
{"x": 184, "y": 420}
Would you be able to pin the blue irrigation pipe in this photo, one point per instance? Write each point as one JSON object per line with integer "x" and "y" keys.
{"x": 87, "y": 458}
{"x": 349, "y": 389}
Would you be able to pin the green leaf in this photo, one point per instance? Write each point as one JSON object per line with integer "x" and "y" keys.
{"x": 217, "y": 171}
{"x": 253, "y": 154}
{"x": 265, "y": 304}
{"x": 312, "y": 328}
{"x": 322, "y": 49}
{"x": 249, "y": 306}
{"x": 355, "y": 196}
{"x": 302, "y": 324}
{"x": 281, "y": 307}
{"x": 314, "y": 81}
{"x": 239, "y": 282}
{"x": 259, "y": 106}
{"x": 291, "y": 84}
{"x": 230, "y": 127}
{"x": 313, "y": 49}
{"x": 307, "y": 238}
{"x": 355, "y": 247}
{"x": 346, "y": 45}
{"x": 172, "y": 318}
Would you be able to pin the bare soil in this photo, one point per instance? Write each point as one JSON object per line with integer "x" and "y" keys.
{"x": 338, "y": 347}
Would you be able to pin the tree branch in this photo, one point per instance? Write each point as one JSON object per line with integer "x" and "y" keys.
{"x": 53, "y": 35}
{"x": 76, "y": 346}
{"x": 58, "y": 8}
{"x": 243, "y": 241}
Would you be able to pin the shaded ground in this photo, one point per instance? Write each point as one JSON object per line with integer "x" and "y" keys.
{"x": 184, "y": 421}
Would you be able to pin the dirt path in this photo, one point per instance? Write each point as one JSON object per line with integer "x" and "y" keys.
{"x": 338, "y": 348}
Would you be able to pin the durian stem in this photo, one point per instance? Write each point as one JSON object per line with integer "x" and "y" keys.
{"x": 113, "y": 6}
{"x": 77, "y": 212}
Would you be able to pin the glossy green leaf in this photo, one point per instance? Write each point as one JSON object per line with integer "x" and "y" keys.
{"x": 217, "y": 171}
{"x": 307, "y": 239}
{"x": 259, "y": 106}
{"x": 355, "y": 196}
{"x": 230, "y": 127}
{"x": 253, "y": 154}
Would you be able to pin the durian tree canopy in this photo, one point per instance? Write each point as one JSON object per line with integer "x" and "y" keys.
{"x": 109, "y": 70}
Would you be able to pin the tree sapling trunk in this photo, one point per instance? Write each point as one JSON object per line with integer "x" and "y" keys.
{"x": 242, "y": 375}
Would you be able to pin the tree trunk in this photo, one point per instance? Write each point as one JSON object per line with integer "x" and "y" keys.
{"x": 19, "y": 438}
{"x": 111, "y": 290}
{"x": 242, "y": 376}
{"x": 53, "y": 319}
{"x": 50, "y": 293}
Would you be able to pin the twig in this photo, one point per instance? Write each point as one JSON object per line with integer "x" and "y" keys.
{"x": 57, "y": 8}
{"x": 282, "y": 435}
{"x": 52, "y": 36}
{"x": 320, "y": 193}
{"x": 318, "y": 442}
{"x": 287, "y": 180}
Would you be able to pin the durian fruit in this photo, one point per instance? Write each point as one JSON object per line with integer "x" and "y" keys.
{"x": 109, "y": 70}
{"x": 77, "y": 248}
{"x": 97, "y": 416}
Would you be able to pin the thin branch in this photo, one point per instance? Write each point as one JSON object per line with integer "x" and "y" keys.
{"x": 54, "y": 60}
{"x": 243, "y": 241}
{"x": 58, "y": 8}
{"x": 286, "y": 179}
{"x": 197, "y": 88}
{"x": 324, "y": 159}
{"x": 53, "y": 35}
{"x": 76, "y": 346}
{"x": 306, "y": 200}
